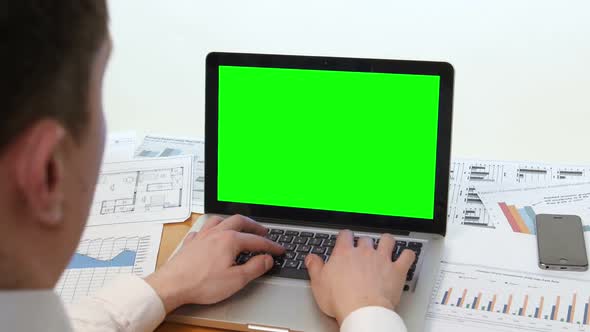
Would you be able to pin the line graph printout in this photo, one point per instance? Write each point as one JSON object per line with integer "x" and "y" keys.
{"x": 106, "y": 252}
{"x": 147, "y": 190}
{"x": 163, "y": 146}
{"x": 482, "y": 298}
{"x": 515, "y": 208}
{"x": 465, "y": 206}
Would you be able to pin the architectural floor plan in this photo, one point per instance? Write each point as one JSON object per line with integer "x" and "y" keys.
{"x": 143, "y": 190}
{"x": 164, "y": 146}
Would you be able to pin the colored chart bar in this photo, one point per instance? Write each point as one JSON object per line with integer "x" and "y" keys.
{"x": 518, "y": 219}
{"x": 509, "y": 217}
{"x": 587, "y": 312}
{"x": 539, "y": 308}
{"x": 447, "y": 296}
{"x": 507, "y": 306}
{"x": 478, "y": 298}
{"x": 493, "y": 304}
{"x": 463, "y": 298}
{"x": 531, "y": 216}
{"x": 522, "y": 310}
{"x": 571, "y": 310}
{"x": 555, "y": 308}
{"x": 521, "y": 220}
{"x": 529, "y": 222}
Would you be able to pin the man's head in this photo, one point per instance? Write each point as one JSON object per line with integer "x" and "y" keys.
{"x": 52, "y": 131}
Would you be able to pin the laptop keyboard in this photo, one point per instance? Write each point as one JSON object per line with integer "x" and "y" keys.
{"x": 299, "y": 244}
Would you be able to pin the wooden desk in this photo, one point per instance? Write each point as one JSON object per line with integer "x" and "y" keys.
{"x": 171, "y": 237}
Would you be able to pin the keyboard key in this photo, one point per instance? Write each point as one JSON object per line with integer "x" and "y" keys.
{"x": 289, "y": 246}
{"x": 333, "y": 236}
{"x": 276, "y": 231}
{"x": 301, "y": 256}
{"x": 406, "y": 288}
{"x": 292, "y": 264}
{"x": 273, "y": 237}
{"x": 318, "y": 250}
{"x": 416, "y": 245}
{"x": 242, "y": 259}
{"x": 409, "y": 276}
{"x": 303, "y": 248}
{"x": 315, "y": 242}
{"x": 400, "y": 243}
{"x": 321, "y": 236}
{"x": 290, "y": 255}
{"x": 292, "y": 233}
{"x": 329, "y": 252}
{"x": 330, "y": 243}
{"x": 306, "y": 234}
{"x": 300, "y": 240}
{"x": 286, "y": 238}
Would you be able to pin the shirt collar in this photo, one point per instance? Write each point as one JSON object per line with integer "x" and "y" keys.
{"x": 32, "y": 310}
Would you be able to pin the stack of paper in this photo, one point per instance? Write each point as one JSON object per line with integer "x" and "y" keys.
{"x": 489, "y": 279}
{"x": 139, "y": 189}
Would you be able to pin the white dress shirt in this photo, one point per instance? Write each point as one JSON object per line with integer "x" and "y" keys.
{"x": 129, "y": 304}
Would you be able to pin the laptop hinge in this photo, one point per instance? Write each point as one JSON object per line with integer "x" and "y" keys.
{"x": 330, "y": 225}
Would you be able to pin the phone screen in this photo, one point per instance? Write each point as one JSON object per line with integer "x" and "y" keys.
{"x": 560, "y": 240}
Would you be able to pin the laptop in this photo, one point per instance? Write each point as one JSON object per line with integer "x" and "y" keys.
{"x": 311, "y": 145}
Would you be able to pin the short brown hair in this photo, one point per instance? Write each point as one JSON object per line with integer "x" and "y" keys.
{"x": 47, "y": 49}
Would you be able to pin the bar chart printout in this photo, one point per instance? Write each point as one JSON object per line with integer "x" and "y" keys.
{"x": 106, "y": 252}
{"x": 472, "y": 297}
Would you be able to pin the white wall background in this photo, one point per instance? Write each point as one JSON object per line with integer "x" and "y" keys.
{"x": 522, "y": 86}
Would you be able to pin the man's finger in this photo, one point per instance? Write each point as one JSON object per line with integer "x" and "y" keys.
{"x": 344, "y": 240}
{"x": 211, "y": 222}
{"x": 365, "y": 242}
{"x": 240, "y": 223}
{"x": 254, "y": 268}
{"x": 386, "y": 245}
{"x": 405, "y": 261}
{"x": 255, "y": 243}
{"x": 314, "y": 266}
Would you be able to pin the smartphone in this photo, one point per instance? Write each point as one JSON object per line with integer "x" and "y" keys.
{"x": 560, "y": 242}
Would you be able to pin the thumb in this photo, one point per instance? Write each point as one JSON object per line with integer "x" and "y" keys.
{"x": 189, "y": 237}
{"x": 314, "y": 266}
{"x": 254, "y": 268}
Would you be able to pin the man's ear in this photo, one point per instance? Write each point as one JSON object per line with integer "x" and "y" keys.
{"x": 39, "y": 170}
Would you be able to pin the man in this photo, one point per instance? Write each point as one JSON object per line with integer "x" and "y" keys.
{"x": 53, "y": 58}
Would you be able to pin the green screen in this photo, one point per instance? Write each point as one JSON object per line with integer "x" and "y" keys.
{"x": 328, "y": 140}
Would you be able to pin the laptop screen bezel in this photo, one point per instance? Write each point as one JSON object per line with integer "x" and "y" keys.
{"x": 322, "y": 218}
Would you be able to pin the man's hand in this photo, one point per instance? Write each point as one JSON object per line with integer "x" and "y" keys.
{"x": 204, "y": 270}
{"x": 357, "y": 277}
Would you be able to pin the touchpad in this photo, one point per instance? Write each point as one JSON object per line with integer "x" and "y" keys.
{"x": 279, "y": 302}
